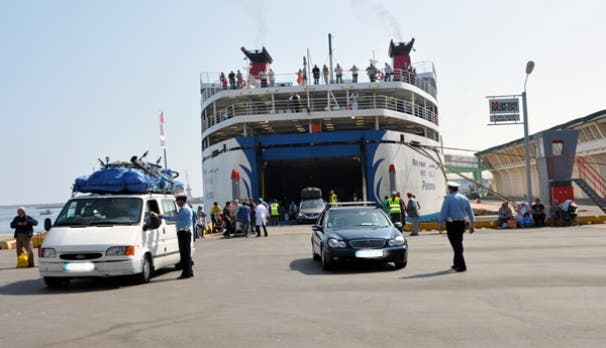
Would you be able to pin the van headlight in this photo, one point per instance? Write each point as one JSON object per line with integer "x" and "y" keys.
{"x": 48, "y": 252}
{"x": 399, "y": 240}
{"x": 126, "y": 250}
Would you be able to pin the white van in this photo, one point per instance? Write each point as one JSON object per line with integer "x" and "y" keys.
{"x": 109, "y": 235}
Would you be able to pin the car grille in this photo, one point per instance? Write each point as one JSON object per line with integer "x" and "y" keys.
{"x": 86, "y": 256}
{"x": 368, "y": 243}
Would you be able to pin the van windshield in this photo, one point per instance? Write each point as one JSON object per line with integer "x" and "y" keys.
{"x": 100, "y": 211}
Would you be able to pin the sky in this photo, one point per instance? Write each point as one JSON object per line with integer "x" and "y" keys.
{"x": 83, "y": 80}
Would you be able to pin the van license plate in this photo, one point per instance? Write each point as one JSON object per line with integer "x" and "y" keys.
{"x": 79, "y": 267}
{"x": 368, "y": 253}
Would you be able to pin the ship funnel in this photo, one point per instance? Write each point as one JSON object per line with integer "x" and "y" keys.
{"x": 400, "y": 54}
{"x": 259, "y": 61}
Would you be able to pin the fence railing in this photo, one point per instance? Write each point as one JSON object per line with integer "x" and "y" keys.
{"x": 245, "y": 109}
{"x": 591, "y": 176}
{"x": 214, "y": 85}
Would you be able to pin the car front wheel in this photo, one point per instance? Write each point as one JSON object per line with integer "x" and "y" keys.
{"x": 56, "y": 282}
{"x": 400, "y": 263}
{"x": 327, "y": 265}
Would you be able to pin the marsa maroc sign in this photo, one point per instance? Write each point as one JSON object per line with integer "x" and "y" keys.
{"x": 504, "y": 109}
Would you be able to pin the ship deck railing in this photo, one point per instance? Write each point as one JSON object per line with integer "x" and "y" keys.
{"x": 318, "y": 105}
{"x": 424, "y": 79}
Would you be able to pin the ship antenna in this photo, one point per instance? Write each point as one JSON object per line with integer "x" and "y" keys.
{"x": 330, "y": 56}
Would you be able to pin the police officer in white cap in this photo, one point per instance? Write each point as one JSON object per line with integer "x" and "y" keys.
{"x": 454, "y": 210}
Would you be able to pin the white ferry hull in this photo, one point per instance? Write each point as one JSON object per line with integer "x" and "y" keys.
{"x": 237, "y": 169}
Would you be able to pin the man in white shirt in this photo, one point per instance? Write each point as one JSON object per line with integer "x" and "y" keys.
{"x": 261, "y": 214}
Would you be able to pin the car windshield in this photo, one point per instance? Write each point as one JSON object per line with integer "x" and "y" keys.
{"x": 356, "y": 218}
{"x": 100, "y": 211}
{"x": 312, "y": 204}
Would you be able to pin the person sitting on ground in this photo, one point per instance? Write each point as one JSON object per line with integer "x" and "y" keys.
{"x": 505, "y": 214}
{"x": 569, "y": 213}
{"x": 538, "y": 213}
{"x": 215, "y": 212}
{"x": 523, "y": 217}
{"x": 555, "y": 212}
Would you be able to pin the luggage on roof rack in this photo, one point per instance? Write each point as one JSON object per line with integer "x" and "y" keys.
{"x": 129, "y": 177}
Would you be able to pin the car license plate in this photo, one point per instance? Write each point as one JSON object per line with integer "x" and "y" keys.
{"x": 369, "y": 253}
{"x": 79, "y": 267}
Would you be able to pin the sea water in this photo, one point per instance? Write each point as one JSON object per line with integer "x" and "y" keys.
{"x": 38, "y": 212}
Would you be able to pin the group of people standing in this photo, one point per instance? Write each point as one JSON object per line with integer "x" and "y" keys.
{"x": 245, "y": 216}
{"x": 236, "y": 80}
{"x": 398, "y": 209}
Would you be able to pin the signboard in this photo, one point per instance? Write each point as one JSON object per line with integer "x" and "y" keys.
{"x": 504, "y": 109}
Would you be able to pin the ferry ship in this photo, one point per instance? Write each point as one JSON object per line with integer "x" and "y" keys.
{"x": 267, "y": 135}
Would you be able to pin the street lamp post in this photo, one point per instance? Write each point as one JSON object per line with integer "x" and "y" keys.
{"x": 529, "y": 68}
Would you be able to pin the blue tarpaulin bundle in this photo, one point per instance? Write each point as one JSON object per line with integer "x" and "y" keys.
{"x": 123, "y": 180}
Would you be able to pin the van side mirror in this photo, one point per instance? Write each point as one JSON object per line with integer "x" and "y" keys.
{"x": 47, "y": 224}
{"x": 152, "y": 224}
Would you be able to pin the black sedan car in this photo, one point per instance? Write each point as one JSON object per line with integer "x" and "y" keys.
{"x": 357, "y": 233}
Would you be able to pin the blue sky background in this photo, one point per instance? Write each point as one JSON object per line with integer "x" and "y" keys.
{"x": 88, "y": 79}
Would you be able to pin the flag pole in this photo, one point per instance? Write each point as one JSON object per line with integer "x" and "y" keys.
{"x": 165, "y": 165}
{"x": 163, "y": 139}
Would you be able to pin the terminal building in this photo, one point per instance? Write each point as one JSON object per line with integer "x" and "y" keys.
{"x": 567, "y": 161}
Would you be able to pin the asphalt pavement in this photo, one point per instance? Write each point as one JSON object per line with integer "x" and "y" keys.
{"x": 523, "y": 288}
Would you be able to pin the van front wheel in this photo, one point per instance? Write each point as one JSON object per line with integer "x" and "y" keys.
{"x": 146, "y": 271}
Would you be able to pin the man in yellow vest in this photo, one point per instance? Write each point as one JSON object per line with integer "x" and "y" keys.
{"x": 395, "y": 208}
{"x": 274, "y": 210}
{"x": 332, "y": 198}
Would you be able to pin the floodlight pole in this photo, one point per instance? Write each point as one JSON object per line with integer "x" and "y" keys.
{"x": 529, "y": 68}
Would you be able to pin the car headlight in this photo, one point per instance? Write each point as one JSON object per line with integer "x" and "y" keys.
{"x": 399, "y": 240}
{"x": 333, "y": 243}
{"x": 121, "y": 251}
{"x": 48, "y": 252}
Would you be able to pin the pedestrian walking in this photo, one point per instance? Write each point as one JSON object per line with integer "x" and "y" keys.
{"x": 183, "y": 221}
{"x": 412, "y": 209}
{"x": 244, "y": 218}
{"x": 24, "y": 231}
{"x": 395, "y": 207}
{"x": 454, "y": 210}
{"x": 292, "y": 210}
{"x": 261, "y": 214}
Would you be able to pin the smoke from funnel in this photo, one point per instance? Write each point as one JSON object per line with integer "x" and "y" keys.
{"x": 259, "y": 22}
{"x": 383, "y": 15}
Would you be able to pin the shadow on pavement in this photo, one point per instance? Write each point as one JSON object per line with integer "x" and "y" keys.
{"x": 429, "y": 275}
{"x": 311, "y": 267}
{"x": 37, "y": 286}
